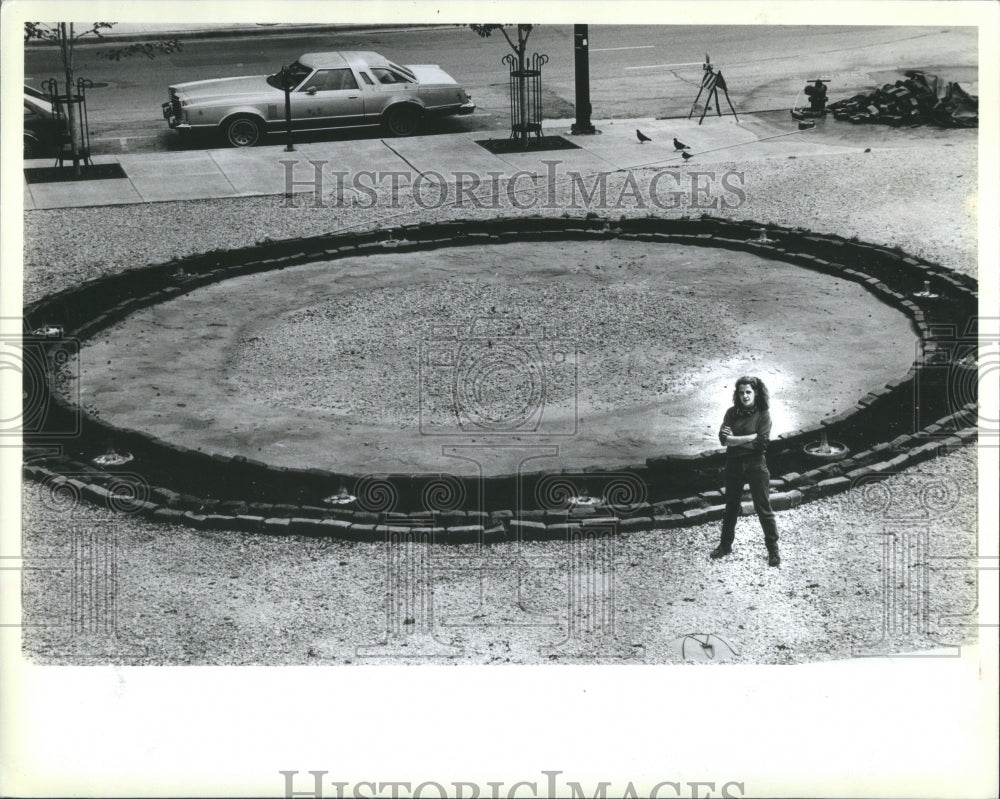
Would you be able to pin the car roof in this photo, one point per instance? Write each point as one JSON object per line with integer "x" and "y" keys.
{"x": 342, "y": 58}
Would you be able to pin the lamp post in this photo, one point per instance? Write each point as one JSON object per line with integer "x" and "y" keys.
{"x": 286, "y": 84}
{"x": 582, "y": 62}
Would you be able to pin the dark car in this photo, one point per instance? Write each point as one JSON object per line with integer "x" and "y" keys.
{"x": 44, "y": 131}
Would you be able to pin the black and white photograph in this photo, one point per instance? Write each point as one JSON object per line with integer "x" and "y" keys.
{"x": 500, "y": 400}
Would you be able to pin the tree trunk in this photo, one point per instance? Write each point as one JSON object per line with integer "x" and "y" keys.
{"x": 72, "y": 111}
{"x": 522, "y": 46}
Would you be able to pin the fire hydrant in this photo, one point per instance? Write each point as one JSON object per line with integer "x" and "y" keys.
{"x": 817, "y": 96}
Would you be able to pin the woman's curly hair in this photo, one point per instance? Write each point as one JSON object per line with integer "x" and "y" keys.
{"x": 761, "y": 398}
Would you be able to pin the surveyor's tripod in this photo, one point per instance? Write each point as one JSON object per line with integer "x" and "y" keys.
{"x": 711, "y": 81}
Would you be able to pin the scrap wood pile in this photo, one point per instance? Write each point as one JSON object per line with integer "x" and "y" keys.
{"x": 914, "y": 101}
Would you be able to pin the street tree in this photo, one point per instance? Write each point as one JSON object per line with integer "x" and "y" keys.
{"x": 519, "y": 44}
{"x": 65, "y": 35}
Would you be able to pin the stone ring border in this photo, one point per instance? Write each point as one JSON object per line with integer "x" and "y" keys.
{"x": 910, "y": 419}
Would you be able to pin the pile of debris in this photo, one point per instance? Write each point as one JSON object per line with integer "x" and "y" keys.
{"x": 914, "y": 101}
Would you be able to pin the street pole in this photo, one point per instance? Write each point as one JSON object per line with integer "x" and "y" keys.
{"x": 582, "y": 61}
{"x": 289, "y": 147}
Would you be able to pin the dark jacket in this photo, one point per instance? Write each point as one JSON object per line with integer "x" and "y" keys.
{"x": 745, "y": 424}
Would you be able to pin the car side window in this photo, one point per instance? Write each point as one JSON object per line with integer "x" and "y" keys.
{"x": 331, "y": 80}
{"x": 389, "y": 75}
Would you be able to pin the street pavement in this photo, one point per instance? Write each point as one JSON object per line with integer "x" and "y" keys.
{"x": 264, "y": 170}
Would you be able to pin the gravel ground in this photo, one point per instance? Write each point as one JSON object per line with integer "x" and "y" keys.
{"x": 606, "y": 340}
{"x": 884, "y": 568}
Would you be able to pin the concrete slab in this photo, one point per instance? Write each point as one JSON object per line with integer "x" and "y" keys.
{"x": 196, "y": 162}
{"x": 266, "y": 170}
{"x": 353, "y": 156}
{"x": 583, "y": 160}
{"x": 460, "y": 152}
{"x": 340, "y": 164}
{"x": 618, "y": 143}
{"x": 181, "y": 187}
{"x": 177, "y": 176}
{"x": 70, "y": 194}
{"x": 259, "y": 170}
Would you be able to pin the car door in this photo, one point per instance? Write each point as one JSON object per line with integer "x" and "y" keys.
{"x": 328, "y": 98}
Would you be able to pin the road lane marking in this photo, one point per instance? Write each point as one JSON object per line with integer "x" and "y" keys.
{"x": 125, "y": 138}
{"x": 667, "y": 66}
{"x": 633, "y": 47}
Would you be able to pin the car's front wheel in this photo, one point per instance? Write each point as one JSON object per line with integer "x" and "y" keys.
{"x": 243, "y": 131}
{"x": 403, "y": 120}
{"x": 32, "y": 147}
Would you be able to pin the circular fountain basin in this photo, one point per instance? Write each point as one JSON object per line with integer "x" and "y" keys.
{"x": 557, "y": 355}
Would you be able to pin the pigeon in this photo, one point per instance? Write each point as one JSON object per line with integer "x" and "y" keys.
{"x": 686, "y": 155}
{"x": 868, "y": 149}
{"x": 679, "y": 145}
{"x": 643, "y": 138}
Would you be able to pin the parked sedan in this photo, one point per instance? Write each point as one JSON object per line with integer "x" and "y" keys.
{"x": 328, "y": 90}
{"x": 43, "y": 129}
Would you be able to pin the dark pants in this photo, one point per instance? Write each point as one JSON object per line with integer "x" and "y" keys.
{"x": 752, "y": 470}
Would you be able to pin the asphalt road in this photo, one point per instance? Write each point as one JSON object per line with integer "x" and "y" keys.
{"x": 636, "y": 71}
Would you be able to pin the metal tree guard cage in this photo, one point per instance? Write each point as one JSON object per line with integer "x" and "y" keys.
{"x": 60, "y": 108}
{"x": 525, "y": 95}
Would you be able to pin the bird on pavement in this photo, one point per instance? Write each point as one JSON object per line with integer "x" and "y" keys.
{"x": 686, "y": 155}
{"x": 642, "y": 137}
{"x": 679, "y": 145}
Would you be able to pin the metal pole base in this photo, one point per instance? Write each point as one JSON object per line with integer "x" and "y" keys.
{"x": 579, "y": 129}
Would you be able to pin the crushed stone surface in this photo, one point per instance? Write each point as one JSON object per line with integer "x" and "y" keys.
{"x": 850, "y": 562}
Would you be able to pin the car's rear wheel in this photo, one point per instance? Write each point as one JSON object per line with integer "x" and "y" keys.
{"x": 243, "y": 131}
{"x": 403, "y": 120}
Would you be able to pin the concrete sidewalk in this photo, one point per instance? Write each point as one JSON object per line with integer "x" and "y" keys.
{"x": 231, "y": 172}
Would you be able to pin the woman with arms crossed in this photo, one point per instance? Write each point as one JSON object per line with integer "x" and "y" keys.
{"x": 745, "y": 431}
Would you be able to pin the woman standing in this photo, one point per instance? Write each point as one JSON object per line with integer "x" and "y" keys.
{"x": 745, "y": 431}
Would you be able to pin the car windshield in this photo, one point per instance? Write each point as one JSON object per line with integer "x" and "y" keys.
{"x": 296, "y": 73}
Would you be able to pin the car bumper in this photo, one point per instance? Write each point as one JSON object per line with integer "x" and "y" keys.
{"x": 173, "y": 121}
{"x": 454, "y": 110}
